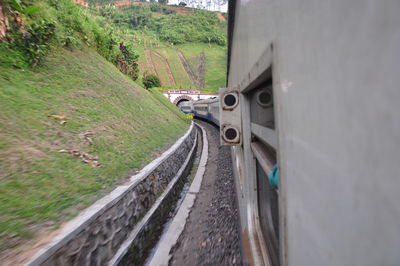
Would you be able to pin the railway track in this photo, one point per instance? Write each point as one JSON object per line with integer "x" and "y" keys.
{"x": 207, "y": 232}
{"x": 162, "y": 216}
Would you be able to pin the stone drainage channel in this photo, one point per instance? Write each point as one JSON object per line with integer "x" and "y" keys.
{"x": 179, "y": 210}
{"x": 174, "y": 225}
{"x": 156, "y": 250}
{"x": 168, "y": 231}
{"x": 203, "y": 228}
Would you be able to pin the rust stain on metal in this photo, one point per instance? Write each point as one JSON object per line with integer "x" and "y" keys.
{"x": 248, "y": 259}
{"x": 227, "y": 109}
{"x": 258, "y": 245}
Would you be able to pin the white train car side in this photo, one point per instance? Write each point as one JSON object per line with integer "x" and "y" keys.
{"x": 318, "y": 90}
{"x": 207, "y": 109}
{"x": 186, "y": 107}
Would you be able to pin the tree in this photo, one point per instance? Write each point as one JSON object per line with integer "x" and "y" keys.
{"x": 164, "y": 2}
{"x": 127, "y": 61}
{"x": 150, "y": 81}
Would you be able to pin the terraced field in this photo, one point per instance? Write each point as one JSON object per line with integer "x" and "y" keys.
{"x": 162, "y": 68}
{"x": 182, "y": 78}
{"x": 198, "y": 66}
{"x": 215, "y": 63}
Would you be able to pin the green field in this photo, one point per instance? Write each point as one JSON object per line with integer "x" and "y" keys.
{"x": 216, "y": 60}
{"x": 215, "y": 65}
{"x": 162, "y": 68}
{"x": 126, "y": 123}
{"x": 181, "y": 77}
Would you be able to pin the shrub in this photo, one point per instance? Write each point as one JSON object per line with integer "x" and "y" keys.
{"x": 168, "y": 11}
{"x": 200, "y": 26}
{"x": 34, "y": 30}
{"x": 155, "y": 7}
{"x": 150, "y": 81}
{"x": 127, "y": 61}
{"x": 37, "y": 40}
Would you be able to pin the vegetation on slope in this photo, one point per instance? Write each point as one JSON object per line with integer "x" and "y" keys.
{"x": 215, "y": 74}
{"x": 72, "y": 126}
{"x": 56, "y": 23}
{"x": 153, "y": 30}
{"x": 199, "y": 26}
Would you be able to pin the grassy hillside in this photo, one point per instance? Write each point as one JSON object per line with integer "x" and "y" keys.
{"x": 215, "y": 75}
{"x": 159, "y": 35}
{"x": 126, "y": 123}
{"x": 181, "y": 77}
{"x": 214, "y": 64}
{"x": 72, "y": 126}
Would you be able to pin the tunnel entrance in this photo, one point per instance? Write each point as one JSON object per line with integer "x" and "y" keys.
{"x": 181, "y": 101}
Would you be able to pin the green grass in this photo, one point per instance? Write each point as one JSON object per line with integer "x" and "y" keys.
{"x": 37, "y": 182}
{"x": 194, "y": 63}
{"x": 181, "y": 77}
{"x": 161, "y": 68}
{"x": 216, "y": 59}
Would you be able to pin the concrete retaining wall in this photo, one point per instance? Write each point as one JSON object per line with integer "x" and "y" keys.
{"x": 125, "y": 222}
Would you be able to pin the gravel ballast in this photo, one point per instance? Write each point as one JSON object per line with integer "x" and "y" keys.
{"x": 211, "y": 234}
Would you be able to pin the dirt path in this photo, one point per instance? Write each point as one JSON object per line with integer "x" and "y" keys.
{"x": 187, "y": 67}
{"x": 183, "y": 71}
{"x": 198, "y": 80}
{"x": 201, "y": 70}
{"x": 24, "y": 251}
{"x": 211, "y": 233}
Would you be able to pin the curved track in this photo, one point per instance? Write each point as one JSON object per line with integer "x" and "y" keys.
{"x": 211, "y": 235}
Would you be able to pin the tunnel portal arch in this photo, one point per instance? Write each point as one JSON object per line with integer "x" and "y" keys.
{"x": 182, "y": 98}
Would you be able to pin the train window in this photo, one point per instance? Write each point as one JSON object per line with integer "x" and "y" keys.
{"x": 264, "y": 146}
{"x": 262, "y": 106}
{"x": 269, "y": 214}
{"x": 267, "y": 198}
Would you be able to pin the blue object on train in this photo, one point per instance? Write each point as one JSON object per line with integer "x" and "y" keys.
{"x": 273, "y": 176}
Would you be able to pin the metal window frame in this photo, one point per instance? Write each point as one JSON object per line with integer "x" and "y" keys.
{"x": 253, "y": 150}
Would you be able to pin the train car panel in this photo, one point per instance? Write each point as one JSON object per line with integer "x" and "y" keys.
{"x": 207, "y": 109}
{"x": 186, "y": 107}
{"x": 214, "y": 110}
{"x": 201, "y": 110}
{"x": 333, "y": 127}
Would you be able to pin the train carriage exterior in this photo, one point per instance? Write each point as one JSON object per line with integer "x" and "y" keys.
{"x": 207, "y": 109}
{"x": 318, "y": 98}
{"x": 186, "y": 107}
